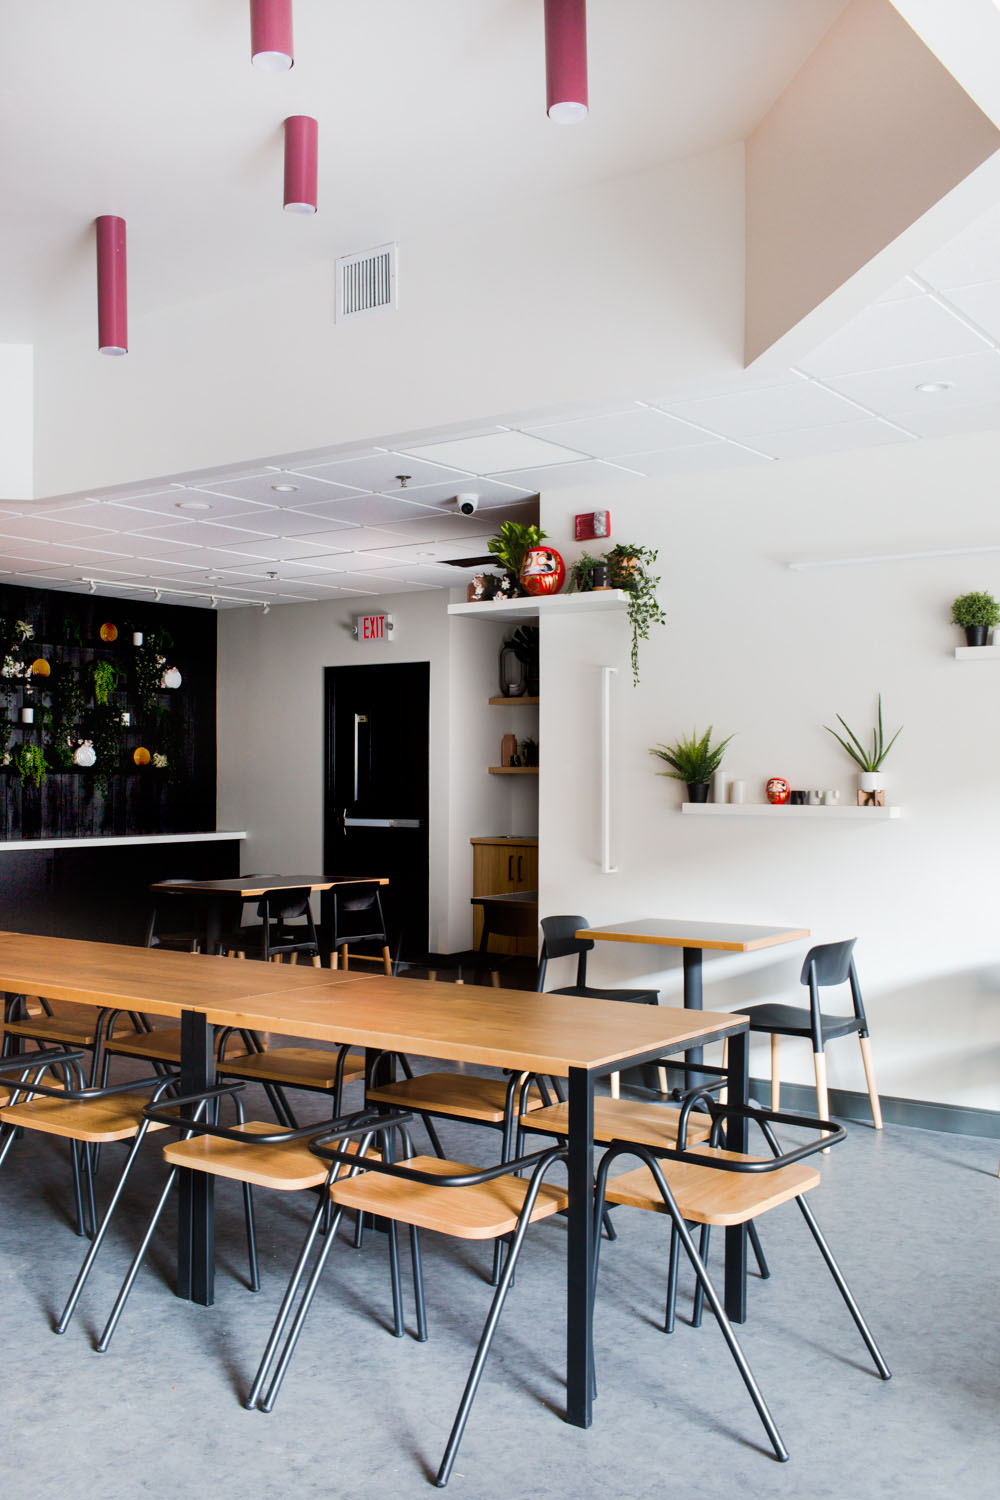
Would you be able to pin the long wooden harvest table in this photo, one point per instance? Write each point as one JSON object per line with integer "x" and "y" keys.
{"x": 566, "y": 1037}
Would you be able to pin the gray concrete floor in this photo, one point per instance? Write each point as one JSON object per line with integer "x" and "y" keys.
{"x": 913, "y": 1217}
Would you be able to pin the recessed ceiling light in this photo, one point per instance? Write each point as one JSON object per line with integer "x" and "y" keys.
{"x": 192, "y": 505}
{"x": 213, "y": 578}
{"x": 284, "y": 489}
{"x": 934, "y": 387}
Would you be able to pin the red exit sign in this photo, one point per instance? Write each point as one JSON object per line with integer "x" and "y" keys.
{"x": 373, "y": 627}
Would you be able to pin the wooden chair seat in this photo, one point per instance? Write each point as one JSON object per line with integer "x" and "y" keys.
{"x": 73, "y": 1033}
{"x": 295, "y": 1067}
{"x": 99, "y": 1121}
{"x": 163, "y": 1044}
{"x": 482, "y": 1211}
{"x": 285, "y": 1165}
{"x": 705, "y": 1195}
{"x": 625, "y": 1120}
{"x": 461, "y": 1095}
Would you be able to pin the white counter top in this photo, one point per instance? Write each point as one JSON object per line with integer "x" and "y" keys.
{"x": 101, "y": 841}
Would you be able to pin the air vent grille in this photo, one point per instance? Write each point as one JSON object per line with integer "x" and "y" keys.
{"x": 366, "y": 281}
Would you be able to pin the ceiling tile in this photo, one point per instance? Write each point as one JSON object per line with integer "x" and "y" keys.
{"x": 371, "y": 510}
{"x": 901, "y": 289}
{"x": 562, "y": 476}
{"x": 843, "y": 436}
{"x": 473, "y": 531}
{"x": 970, "y": 257}
{"x": 281, "y": 547}
{"x": 47, "y": 528}
{"x": 496, "y": 454}
{"x": 946, "y": 421}
{"x": 971, "y": 380}
{"x": 893, "y": 333}
{"x": 304, "y": 487}
{"x": 491, "y": 492}
{"x": 377, "y": 474}
{"x": 980, "y": 303}
{"x": 773, "y": 409}
{"x": 641, "y": 430}
{"x": 695, "y": 460}
{"x": 292, "y": 523}
{"x": 175, "y": 504}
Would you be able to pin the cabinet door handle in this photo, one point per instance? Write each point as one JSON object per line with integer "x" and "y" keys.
{"x": 510, "y": 868}
{"x": 520, "y": 873}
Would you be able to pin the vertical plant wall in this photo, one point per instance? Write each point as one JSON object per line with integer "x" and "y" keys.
{"x": 107, "y": 716}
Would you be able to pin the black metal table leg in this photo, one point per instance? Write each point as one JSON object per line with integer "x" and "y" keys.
{"x": 196, "y": 1218}
{"x": 580, "y": 1250}
{"x": 693, "y": 1001}
{"x": 737, "y": 1132}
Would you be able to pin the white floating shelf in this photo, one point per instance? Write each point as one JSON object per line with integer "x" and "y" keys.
{"x": 977, "y": 653}
{"x": 769, "y": 810}
{"x": 596, "y": 601}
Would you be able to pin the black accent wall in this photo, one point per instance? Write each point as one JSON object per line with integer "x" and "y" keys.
{"x": 116, "y": 796}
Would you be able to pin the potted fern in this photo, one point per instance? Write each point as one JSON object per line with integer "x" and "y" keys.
{"x": 693, "y": 761}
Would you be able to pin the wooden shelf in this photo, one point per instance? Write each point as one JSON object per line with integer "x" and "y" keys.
{"x": 597, "y": 601}
{"x": 522, "y": 702}
{"x": 768, "y": 810}
{"x": 513, "y": 770}
{"x": 977, "y": 653}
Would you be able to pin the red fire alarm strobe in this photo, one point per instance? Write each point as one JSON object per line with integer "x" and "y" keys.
{"x": 592, "y": 525}
{"x": 372, "y": 627}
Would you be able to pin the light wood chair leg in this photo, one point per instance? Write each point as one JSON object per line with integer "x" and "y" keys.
{"x": 866, "y": 1057}
{"x": 822, "y": 1093}
{"x": 495, "y": 978}
{"x": 616, "y": 1085}
{"x": 317, "y": 961}
{"x": 334, "y": 958}
{"x": 387, "y": 962}
{"x": 661, "y": 1078}
{"x": 775, "y": 1070}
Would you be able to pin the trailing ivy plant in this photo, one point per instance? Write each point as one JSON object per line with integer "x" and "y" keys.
{"x": 29, "y": 762}
{"x": 147, "y": 668}
{"x": 106, "y": 676}
{"x": 67, "y": 714}
{"x": 628, "y": 568}
{"x": 107, "y": 734}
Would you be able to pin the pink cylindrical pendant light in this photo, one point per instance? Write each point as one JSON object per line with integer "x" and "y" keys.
{"x": 301, "y": 157}
{"x": 112, "y": 286}
{"x": 271, "y": 35}
{"x": 566, "y": 60}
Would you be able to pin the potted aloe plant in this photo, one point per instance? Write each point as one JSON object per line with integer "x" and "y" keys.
{"x": 869, "y": 761}
{"x": 694, "y": 761}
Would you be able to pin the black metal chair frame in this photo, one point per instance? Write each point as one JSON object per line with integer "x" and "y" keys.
{"x": 195, "y": 1122}
{"x": 679, "y": 1227}
{"x": 83, "y": 1154}
{"x": 538, "y": 1164}
{"x": 359, "y": 896}
{"x": 272, "y": 936}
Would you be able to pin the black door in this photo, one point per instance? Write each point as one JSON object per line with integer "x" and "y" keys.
{"x": 376, "y": 804}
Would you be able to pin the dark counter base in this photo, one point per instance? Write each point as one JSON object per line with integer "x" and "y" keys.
{"x": 100, "y": 893}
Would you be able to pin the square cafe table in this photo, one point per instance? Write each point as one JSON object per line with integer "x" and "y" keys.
{"x": 249, "y": 888}
{"x": 567, "y": 1037}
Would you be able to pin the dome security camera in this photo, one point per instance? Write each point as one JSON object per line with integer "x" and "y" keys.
{"x": 468, "y": 504}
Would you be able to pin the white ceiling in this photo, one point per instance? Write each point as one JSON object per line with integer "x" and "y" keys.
{"x": 411, "y": 99}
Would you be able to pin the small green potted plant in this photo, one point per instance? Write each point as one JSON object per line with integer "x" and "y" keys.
{"x": 869, "y": 761}
{"x": 976, "y": 613}
{"x": 694, "y": 761}
{"x": 510, "y": 545}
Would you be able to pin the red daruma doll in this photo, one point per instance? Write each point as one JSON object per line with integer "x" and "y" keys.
{"x": 777, "y": 789}
{"x": 543, "y": 571}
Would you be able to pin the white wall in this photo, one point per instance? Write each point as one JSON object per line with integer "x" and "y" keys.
{"x": 773, "y": 655}
{"x": 264, "y": 370}
{"x": 271, "y": 735}
{"x": 17, "y": 433}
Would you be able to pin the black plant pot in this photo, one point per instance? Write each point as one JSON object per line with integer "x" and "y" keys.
{"x": 975, "y": 635}
{"x": 698, "y": 791}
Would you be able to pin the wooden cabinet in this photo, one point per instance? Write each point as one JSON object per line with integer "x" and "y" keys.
{"x": 500, "y": 865}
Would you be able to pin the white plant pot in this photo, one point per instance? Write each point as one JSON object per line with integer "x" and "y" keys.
{"x": 85, "y": 754}
{"x": 171, "y": 678}
{"x": 871, "y": 781}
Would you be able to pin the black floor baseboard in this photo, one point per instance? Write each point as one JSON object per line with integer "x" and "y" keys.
{"x": 845, "y": 1104}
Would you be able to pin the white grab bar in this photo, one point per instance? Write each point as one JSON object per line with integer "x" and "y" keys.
{"x": 608, "y": 674}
